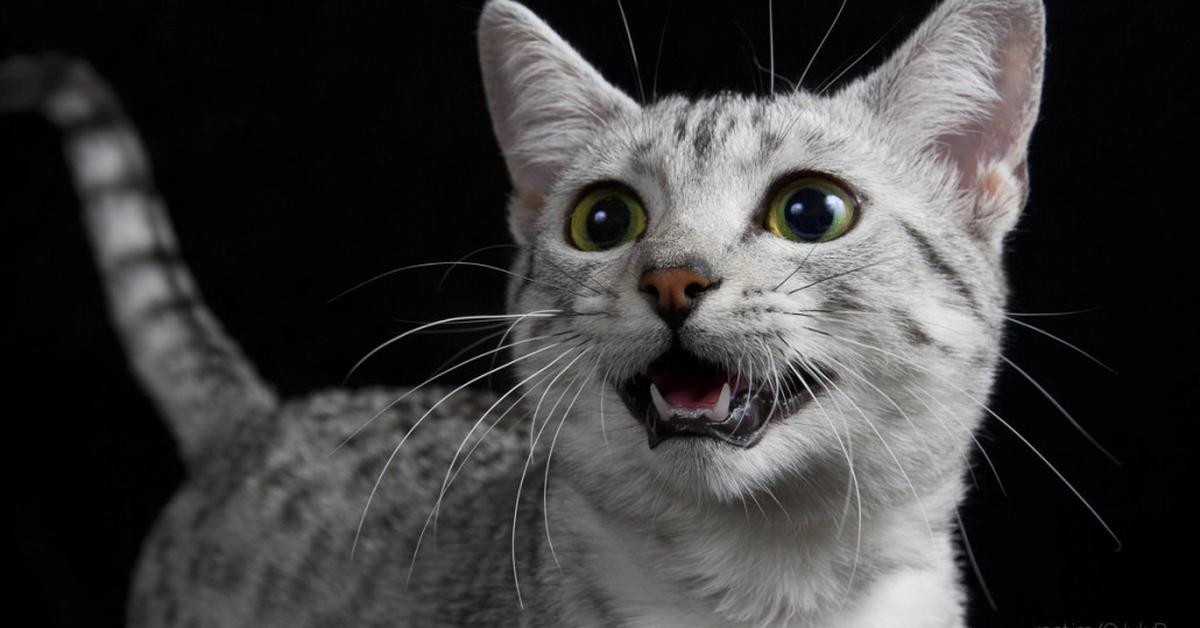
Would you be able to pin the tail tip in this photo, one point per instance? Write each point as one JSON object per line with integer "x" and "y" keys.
{"x": 31, "y": 82}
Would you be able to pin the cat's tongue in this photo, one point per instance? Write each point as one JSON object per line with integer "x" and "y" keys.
{"x": 689, "y": 390}
{"x": 681, "y": 394}
{"x": 687, "y": 384}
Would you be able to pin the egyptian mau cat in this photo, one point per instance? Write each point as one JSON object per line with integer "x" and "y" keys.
{"x": 749, "y": 341}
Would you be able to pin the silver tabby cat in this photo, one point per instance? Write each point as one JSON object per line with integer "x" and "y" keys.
{"x": 750, "y": 339}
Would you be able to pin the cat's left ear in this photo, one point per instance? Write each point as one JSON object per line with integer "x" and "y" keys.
{"x": 545, "y": 100}
{"x": 966, "y": 86}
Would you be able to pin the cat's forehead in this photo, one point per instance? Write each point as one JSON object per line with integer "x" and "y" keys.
{"x": 696, "y": 143}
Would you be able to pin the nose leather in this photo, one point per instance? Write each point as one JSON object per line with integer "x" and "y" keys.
{"x": 674, "y": 290}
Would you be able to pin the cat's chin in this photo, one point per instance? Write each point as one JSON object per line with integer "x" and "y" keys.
{"x": 682, "y": 395}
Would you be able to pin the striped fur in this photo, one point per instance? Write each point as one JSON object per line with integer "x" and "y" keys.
{"x": 196, "y": 375}
{"x": 841, "y": 516}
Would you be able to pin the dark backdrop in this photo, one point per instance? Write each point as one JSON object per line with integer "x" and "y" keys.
{"x": 304, "y": 147}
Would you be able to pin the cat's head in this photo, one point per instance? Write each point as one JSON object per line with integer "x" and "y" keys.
{"x": 737, "y": 293}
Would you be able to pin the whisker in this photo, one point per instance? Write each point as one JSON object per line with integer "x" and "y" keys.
{"x": 783, "y": 510}
{"x": 465, "y": 327}
{"x": 550, "y": 414}
{"x": 888, "y": 449}
{"x": 758, "y": 64}
{"x": 837, "y": 275}
{"x": 549, "y": 455}
{"x": 410, "y": 391}
{"x": 446, "y": 481}
{"x": 816, "y": 52}
{"x": 987, "y": 593}
{"x": 603, "y": 429}
{"x": 771, "y": 371}
{"x": 963, "y": 456}
{"x": 493, "y": 426}
{"x": 490, "y": 317}
{"x": 508, "y": 331}
{"x": 379, "y": 480}
{"x": 1045, "y": 393}
{"x": 745, "y": 508}
{"x": 1029, "y": 378}
{"x": 525, "y": 471}
{"x": 662, "y": 36}
{"x": 490, "y": 247}
{"x": 847, "y": 449}
{"x": 402, "y": 269}
{"x": 602, "y": 291}
{"x": 1060, "y": 340}
{"x": 754, "y": 499}
{"x": 1006, "y": 424}
{"x": 798, "y": 267}
{"x": 467, "y": 349}
{"x": 771, "y": 39}
{"x": 830, "y": 82}
{"x": 1088, "y": 310}
{"x": 437, "y": 507}
{"x": 538, "y": 407}
{"x": 632, "y": 52}
{"x": 891, "y": 401}
{"x": 978, "y": 445}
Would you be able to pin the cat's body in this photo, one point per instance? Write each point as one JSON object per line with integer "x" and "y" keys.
{"x": 836, "y": 513}
{"x": 265, "y": 539}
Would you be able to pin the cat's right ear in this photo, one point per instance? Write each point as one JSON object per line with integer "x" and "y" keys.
{"x": 544, "y": 100}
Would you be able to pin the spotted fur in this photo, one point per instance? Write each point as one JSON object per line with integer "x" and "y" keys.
{"x": 842, "y": 515}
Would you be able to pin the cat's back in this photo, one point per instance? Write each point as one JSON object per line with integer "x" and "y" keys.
{"x": 265, "y": 530}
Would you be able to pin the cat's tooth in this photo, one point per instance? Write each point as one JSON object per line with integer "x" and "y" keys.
{"x": 660, "y": 404}
{"x": 721, "y": 410}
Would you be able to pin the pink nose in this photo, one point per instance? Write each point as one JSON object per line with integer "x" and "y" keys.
{"x": 674, "y": 290}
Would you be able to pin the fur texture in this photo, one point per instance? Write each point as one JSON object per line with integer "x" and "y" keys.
{"x": 841, "y": 516}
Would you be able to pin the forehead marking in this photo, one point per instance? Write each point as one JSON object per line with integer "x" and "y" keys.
{"x": 681, "y": 122}
{"x": 706, "y": 128}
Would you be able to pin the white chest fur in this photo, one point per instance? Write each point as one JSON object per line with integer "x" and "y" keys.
{"x": 655, "y": 578}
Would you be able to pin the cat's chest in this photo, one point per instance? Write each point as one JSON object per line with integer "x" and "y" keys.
{"x": 911, "y": 598}
{"x": 643, "y": 584}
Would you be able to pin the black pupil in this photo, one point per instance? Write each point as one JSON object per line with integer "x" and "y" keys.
{"x": 609, "y": 221}
{"x": 810, "y": 212}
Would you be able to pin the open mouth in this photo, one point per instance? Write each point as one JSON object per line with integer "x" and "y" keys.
{"x": 681, "y": 394}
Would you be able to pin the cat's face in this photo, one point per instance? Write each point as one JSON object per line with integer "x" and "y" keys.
{"x": 742, "y": 293}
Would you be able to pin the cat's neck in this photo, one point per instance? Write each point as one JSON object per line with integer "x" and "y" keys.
{"x": 762, "y": 565}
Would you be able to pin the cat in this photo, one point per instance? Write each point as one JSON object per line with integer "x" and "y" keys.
{"x": 750, "y": 339}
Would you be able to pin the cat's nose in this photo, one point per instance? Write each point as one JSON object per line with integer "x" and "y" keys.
{"x": 673, "y": 291}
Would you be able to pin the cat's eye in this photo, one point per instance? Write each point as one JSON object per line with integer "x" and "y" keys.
{"x": 607, "y": 217}
{"x": 811, "y": 209}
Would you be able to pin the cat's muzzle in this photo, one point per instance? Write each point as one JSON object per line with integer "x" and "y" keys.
{"x": 680, "y": 394}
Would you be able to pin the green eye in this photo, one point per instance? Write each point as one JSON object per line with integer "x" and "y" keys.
{"x": 607, "y": 217}
{"x": 811, "y": 209}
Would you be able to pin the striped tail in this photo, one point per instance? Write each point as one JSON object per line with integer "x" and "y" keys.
{"x": 195, "y": 374}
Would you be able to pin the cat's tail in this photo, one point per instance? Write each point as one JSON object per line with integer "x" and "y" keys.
{"x": 195, "y": 374}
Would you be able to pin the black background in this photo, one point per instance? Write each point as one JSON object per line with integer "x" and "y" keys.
{"x": 306, "y": 146}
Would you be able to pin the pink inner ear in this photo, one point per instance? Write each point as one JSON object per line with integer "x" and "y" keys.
{"x": 999, "y": 189}
{"x": 1000, "y": 134}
